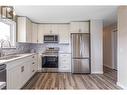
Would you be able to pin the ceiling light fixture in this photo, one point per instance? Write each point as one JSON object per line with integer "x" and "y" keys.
{"x": 7, "y": 12}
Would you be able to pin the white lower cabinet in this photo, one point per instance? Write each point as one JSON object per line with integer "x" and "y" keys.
{"x": 14, "y": 78}
{"x": 65, "y": 62}
{"x": 20, "y": 71}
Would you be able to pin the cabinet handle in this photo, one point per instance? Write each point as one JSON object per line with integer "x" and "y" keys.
{"x": 33, "y": 70}
{"x": 22, "y": 68}
{"x": 33, "y": 63}
{"x": 64, "y": 55}
{"x": 79, "y": 30}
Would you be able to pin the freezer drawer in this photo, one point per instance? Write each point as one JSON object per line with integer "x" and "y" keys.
{"x": 80, "y": 66}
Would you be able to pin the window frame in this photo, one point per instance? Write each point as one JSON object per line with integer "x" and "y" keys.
{"x": 12, "y": 31}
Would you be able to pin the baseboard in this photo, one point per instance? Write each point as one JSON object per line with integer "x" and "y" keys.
{"x": 109, "y": 66}
{"x": 122, "y": 86}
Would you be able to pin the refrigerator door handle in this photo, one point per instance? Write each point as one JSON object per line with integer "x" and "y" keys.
{"x": 80, "y": 46}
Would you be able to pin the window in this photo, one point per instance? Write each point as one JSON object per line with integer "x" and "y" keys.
{"x": 7, "y": 34}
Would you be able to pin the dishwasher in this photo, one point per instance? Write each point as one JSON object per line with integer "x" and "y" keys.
{"x": 2, "y": 76}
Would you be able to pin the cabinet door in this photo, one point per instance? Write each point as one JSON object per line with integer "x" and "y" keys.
{"x": 74, "y": 27}
{"x": 41, "y": 32}
{"x": 35, "y": 63}
{"x": 24, "y": 29}
{"x": 39, "y": 61}
{"x": 14, "y": 78}
{"x": 47, "y": 29}
{"x": 34, "y": 33}
{"x": 54, "y": 29}
{"x": 63, "y": 33}
{"x": 25, "y": 72}
{"x": 84, "y": 27}
{"x": 21, "y": 29}
{"x": 28, "y": 31}
{"x": 80, "y": 27}
{"x": 32, "y": 68}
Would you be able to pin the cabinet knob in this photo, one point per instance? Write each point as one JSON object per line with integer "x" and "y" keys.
{"x": 33, "y": 57}
{"x": 33, "y": 63}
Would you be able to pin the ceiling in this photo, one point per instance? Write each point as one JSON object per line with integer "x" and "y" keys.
{"x": 65, "y": 14}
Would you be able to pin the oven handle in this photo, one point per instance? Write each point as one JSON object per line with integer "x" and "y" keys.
{"x": 2, "y": 70}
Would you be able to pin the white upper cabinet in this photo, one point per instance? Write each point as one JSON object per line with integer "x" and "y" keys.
{"x": 46, "y": 29}
{"x": 84, "y": 27}
{"x": 74, "y": 27}
{"x": 28, "y": 30}
{"x": 62, "y": 30}
{"x": 41, "y": 31}
{"x": 64, "y": 35}
{"x": 34, "y": 33}
{"x": 54, "y": 29}
{"x": 24, "y": 30}
{"x": 79, "y": 27}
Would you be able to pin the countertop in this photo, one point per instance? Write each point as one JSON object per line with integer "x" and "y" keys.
{"x": 20, "y": 56}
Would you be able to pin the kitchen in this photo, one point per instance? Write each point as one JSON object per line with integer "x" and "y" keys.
{"x": 47, "y": 50}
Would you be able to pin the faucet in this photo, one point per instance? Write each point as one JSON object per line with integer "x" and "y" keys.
{"x": 2, "y": 43}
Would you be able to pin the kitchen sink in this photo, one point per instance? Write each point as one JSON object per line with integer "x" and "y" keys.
{"x": 9, "y": 57}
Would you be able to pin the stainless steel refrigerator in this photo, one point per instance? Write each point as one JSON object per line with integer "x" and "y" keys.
{"x": 80, "y": 43}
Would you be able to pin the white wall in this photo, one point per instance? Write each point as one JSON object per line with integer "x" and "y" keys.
{"x": 114, "y": 49}
{"x": 108, "y": 46}
{"x": 122, "y": 47}
{"x": 96, "y": 29}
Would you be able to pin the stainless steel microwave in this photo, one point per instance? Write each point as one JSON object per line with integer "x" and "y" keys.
{"x": 50, "y": 38}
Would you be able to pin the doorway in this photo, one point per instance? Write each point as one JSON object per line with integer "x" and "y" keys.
{"x": 110, "y": 52}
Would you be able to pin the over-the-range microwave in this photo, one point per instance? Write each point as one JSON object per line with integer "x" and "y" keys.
{"x": 50, "y": 38}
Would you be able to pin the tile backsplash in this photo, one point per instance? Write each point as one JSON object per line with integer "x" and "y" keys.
{"x": 20, "y": 48}
{"x": 40, "y": 48}
{"x": 37, "y": 47}
{"x": 23, "y": 47}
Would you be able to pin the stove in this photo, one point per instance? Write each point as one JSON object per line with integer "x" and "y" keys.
{"x": 50, "y": 59}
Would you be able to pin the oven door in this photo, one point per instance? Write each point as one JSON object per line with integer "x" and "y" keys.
{"x": 50, "y": 62}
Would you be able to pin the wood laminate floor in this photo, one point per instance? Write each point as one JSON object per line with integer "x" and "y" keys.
{"x": 72, "y": 81}
{"x": 110, "y": 74}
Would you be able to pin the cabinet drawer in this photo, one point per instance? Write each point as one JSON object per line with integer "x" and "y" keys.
{"x": 64, "y": 60}
{"x": 63, "y": 66}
